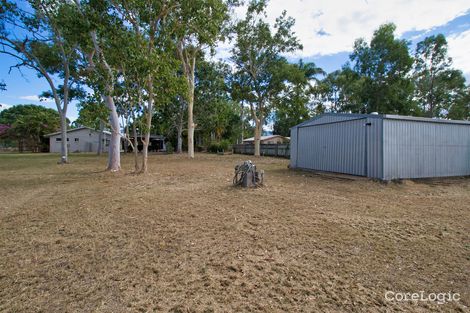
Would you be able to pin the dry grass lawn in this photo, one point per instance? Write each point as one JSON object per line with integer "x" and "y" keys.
{"x": 181, "y": 239}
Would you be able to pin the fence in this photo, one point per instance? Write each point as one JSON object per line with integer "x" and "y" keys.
{"x": 276, "y": 150}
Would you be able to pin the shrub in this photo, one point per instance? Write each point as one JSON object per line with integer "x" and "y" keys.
{"x": 215, "y": 147}
{"x": 169, "y": 148}
{"x": 224, "y": 144}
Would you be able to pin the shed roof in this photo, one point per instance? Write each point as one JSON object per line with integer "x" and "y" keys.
{"x": 386, "y": 116}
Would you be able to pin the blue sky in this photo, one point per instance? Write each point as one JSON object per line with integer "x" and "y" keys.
{"x": 327, "y": 30}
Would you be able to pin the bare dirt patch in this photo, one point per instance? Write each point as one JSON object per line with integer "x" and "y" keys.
{"x": 181, "y": 239}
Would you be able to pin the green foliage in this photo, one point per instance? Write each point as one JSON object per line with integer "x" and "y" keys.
{"x": 169, "y": 148}
{"x": 92, "y": 113}
{"x": 37, "y": 35}
{"x": 221, "y": 146}
{"x": 167, "y": 117}
{"x": 338, "y": 91}
{"x": 460, "y": 108}
{"x": 382, "y": 68}
{"x": 382, "y": 79}
{"x": 438, "y": 86}
{"x": 216, "y": 115}
{"x": 44, "y": 44}
{"x": 261, "y": 73}
{"x": 28, "y": 125}
{"x": 292, "y": 107}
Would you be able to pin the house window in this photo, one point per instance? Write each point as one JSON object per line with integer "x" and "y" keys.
{"x": 76, "y": 139}
{"x": 58, "y": 139}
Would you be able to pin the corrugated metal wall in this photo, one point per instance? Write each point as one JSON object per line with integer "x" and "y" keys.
{"x": 335, "y": 146}
{"x": 293, "y": 147}
{"x": 414, "y": 149}
{"x": 382, "y": 146}
{"x": 374, "y": 147}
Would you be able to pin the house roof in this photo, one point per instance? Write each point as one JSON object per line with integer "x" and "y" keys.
{"x": 264, "y": 137}
{"x": 76, "y": 129}
{"x": 386, "y": 116}
{"x": 158, "y": 137}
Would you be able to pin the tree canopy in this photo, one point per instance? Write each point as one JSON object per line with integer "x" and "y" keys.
{"x": 142, "y": 69}
{"x": 26, "y": 125}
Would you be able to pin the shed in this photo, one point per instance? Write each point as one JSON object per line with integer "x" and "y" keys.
{"x": 382, "y": 146}
{"x": 81, "y": 139}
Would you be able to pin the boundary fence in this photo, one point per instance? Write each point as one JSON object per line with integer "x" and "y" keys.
{"x": 276, "y": 150}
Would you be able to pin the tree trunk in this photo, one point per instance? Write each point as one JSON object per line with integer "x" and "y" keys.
{"x": 242, "y": 121}
{"x": 145, "y": 151}
{"x": 136, "y": 150}
{"x": 191, "y": 124}
{"x": 126, "y": 142}
{"x": 179, "y": 134}
{"x": 258, "y": 133}
{"x": 100, "y": 139}
{"x": 146, "y": 142}
{"x": 63, "y": 136}
{"x": 114, "y": 156}
{"x": 190, "y": 132}
{"x": 188, "y": 59}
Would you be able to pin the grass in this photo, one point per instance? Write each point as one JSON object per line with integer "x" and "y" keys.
{"x": 75, "y": 238}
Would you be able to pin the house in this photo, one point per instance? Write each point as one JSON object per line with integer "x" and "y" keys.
{"x": 81, "y": 139}
{"x": 267, "y": 140}
{"x": 382, "y": 146}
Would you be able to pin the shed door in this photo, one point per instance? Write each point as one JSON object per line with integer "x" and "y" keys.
{"x": 334, "y": 147}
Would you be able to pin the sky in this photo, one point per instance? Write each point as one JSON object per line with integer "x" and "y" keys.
{"x": 327, "y": 30}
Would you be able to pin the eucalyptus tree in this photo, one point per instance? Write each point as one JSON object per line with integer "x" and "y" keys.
{"x": 383, "y": 69}
{"x": 198, "y": 25}
{"x": 257, "y": 57}
{"x": 36, "y": 34}
{"x": 106, "y": 44}
{"x": 215, "y": 110}
{"x": 129, "y": 102}
{"x": 460, "y": 109}
{"x": 156, "y": 60}
{"x": 437, "y": 85}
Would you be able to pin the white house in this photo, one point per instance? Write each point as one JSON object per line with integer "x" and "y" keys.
{"x": 81, "y": 139}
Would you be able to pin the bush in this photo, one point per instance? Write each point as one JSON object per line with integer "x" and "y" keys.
{"x": 213, "y": 147}
{"x": 221, "y": 146}
{"x": 224, "y": 144}
{"x": 169, "y": 148}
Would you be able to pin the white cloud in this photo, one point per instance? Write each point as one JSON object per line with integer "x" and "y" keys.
{"x": 36, "y": 98}
{"x": 344, "y": 21}
{"x": 4, "y": 106}
{"x": 458, "y": 50}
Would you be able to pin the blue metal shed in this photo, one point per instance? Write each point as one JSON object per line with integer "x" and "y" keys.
{"x": 382, "y": 146}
